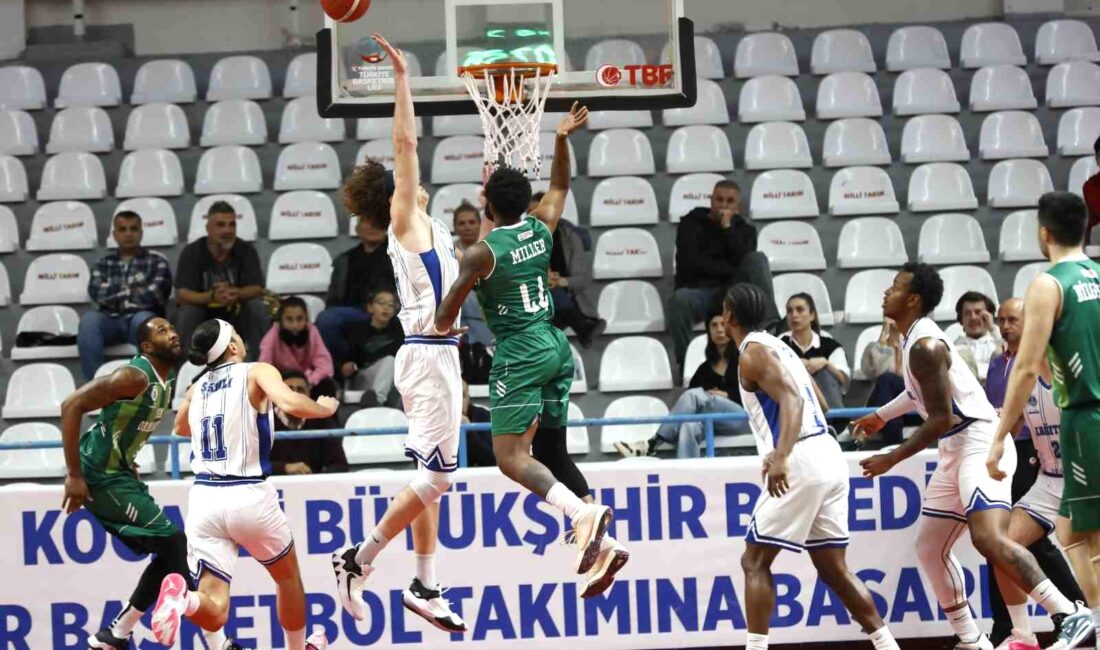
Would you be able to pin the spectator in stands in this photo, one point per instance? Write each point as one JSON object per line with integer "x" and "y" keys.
{"x": 219, "y": 276}
{"x": 308, "y": 455}
{"x": 467, "y": 221}
{"x": 356, "y": 275}
{"x": 822, "y": 355}
{"x": 881, "y": 364}
{"x": 713, "y": 389}
{"x": 479, "y": 444}
{"x": 294, "y": 344}
{"x": 128, "y": 287}
{"x": 372, "y": 347}
{"x": 1091, "y": 192}
{"x": 715, "y": 247}
{"x": 980, "y": 339}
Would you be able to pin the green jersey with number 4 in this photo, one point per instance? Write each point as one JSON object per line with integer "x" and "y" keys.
{"x": 516, "y": 295}
{"x": 1074, "y": 350}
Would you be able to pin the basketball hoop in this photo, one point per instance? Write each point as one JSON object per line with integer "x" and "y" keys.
{"x": 510, "y": 98}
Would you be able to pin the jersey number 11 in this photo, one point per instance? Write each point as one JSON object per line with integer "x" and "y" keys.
{"x": 213, "y": 425}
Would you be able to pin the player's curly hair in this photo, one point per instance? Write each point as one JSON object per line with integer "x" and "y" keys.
{"x": 365, "y": 193}
{"x": 927, "y": 284}
{"x": 508, "y": 192}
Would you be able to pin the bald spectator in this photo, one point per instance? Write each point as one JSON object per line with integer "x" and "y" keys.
{"x": 1091, "y": 192}
{"x": 980, "y": 339}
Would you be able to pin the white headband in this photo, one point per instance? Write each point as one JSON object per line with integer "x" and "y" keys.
{"x": 225, "y": 335}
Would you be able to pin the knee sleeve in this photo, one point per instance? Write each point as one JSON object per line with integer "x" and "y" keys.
{"x": 934, "y": 542}
{"x": 549, "y": 448}
{"x": 430, "y": 485}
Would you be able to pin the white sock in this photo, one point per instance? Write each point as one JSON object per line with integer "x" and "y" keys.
{"x": 296, "y": 640}
{"x": 1052, "y": 600}
{"x": 756, "y": 641}
{"x": 193, "y": 603}
{"x": 963, "y": 624}
{"x": 125, "y": 622}
{"x": 563, "y": 499}
{"x": 1021, "y": 622}
{"x": 883, "y": 640}
{"x": 371, "y": 547}
{"x": 1096, "y": 619}
{"x": 425, "y": 570}
{"x": 214, "y": 640}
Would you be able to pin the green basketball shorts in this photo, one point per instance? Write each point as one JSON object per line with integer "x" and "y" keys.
{"x": 530, "y": 379}
{"x": 122, "y": 504}
{"x": 1080, "y": 439}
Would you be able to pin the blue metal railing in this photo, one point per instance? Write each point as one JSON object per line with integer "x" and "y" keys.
{"x": 708, "y": 420}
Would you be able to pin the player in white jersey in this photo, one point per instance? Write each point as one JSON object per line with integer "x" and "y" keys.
{"x": 961, "y": 494}
{"x": 806, "y": 502}
{"x": 426, "y": 371}
{"x": 227, "y": 414}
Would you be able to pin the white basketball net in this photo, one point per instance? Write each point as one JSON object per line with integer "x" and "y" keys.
{"x": 510, "y": 103}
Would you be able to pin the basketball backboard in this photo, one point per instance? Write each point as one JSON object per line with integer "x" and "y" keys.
{"x": 608, "y": 53}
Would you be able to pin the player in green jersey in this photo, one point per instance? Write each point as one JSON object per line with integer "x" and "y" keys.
{"x": 103, "y": 477}
{"x": 533, "y": 365}
{"x": 1062, "y": 311}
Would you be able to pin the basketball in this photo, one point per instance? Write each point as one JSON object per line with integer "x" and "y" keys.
{"x": 345, "y": 11}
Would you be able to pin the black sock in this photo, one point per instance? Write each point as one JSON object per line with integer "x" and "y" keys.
{"x": 171, "y": 557}
{"x": 549, "y": 448}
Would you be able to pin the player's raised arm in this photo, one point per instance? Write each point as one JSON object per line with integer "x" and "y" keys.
{"x": 552, "y": 206}
{"x": 406, "y": 164}
{"x": 270, "y": 381}
{"x": 760, "y": 369}
{"x": 477, "y": 263}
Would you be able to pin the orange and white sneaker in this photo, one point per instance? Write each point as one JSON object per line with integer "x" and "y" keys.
{"x": 589, "y": 528}
{"x": 169, "y": 609}
{"x": 613, "y": 556}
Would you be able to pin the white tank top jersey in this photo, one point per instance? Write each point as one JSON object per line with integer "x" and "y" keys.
{"x": 423, "y": 279}
{"x": 230, "y": 439}
{"x": 1045, "y": 421}
{"x": 764, "y": 411}
{"x": 968, "y": 401}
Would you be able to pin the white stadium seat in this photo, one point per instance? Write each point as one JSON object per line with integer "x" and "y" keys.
{"x": 933, "y": 138}
{"x": 5, "y": 281}
{"x": 304, "y": 214}
{"x": 1012, "y": 134}
{"x": 150, "y": 172}
{"x": 917, "y": 47}
{"x": 634, "y": 363}
{"x": 1073, "y": 83}
{"x": 788, "y": 284}
{"x": 89, "y": 84}
{"x": 863, "y": 295}
{"x": 626, "y": 253}
{"x": 458, "y": 159}
{"x": 571, "y": 214}
{"x": 841, "y": 50}
{"x": 631, "y": 307}
{"x": 695, "y": 356}
{"x": 1065, "y": 40}
{"x": 370, "y": 128}
{"x": 951, "y": 239}
{"x": 32, "y": 463}
{"x": 57, "y": 278}
{"x": 233, "y": 121}
{"x": 1025, "y": 275}
{"x": 246, "y": 216}
{"x": 1078, "y": 130}
{"x": 379, "y": 150}
{"x": 1082, "y": 170}
{"x": 164, "y": 80}
{"x": 81, "y": 128}
{"x": 62, "y": 226}
{"x": 701, "y": 148}
{"x": 449, "y": 197}
{"x": 923, "y": 91}
{"x": 848, "y": 94}
{"x": 862, "y": 190}
{"x": 158, "y": 222}
{"x": 991, "y": 44}
{"x": 792, "y": 246}
{"x": 606, "y": 120}
{"x": 614, "y": 51}
{"x": 18, "y": 135}
{"x": 58, "y": 320}
{"x": 1018, "y": 184}
{"x": 307, "y": 166}
{"x": 302, "y": 123}
{"x": 239, "y": 77}
{"x": 13, "y": 180}
{"x": 937, "y": 187}
{"x": 22, "y": 88}
{"x": 576, "y": 438}
{"x": 623, "y": 201}
{"x": 763, "y": 54}
{"x": 710, "y": 107}
{"x": 1019, "y": 240}
{"x": 782, "y": 194}
{"x": 777, "y": 145}
{"x": 301, "y": 76}
{"x": 388, "y": 448}
{"x": 228, "y": 169}
{"x": 9, "y": 233}
{"x": 580, "y": 375}
{"x": 870, "y": 242}
{"x": 314, "y": 305}
{"x": 633, "y": 406}
{"x": 957, "y": 280}
{"x": 770, "y": 98}
{"x": 855, "y": 141}
{"x": 708, "y": 59}
{"x": 868, "y": 336}
{"x": 616, "y": 152}
{"x": 157, "y": 126}
{"x": 690, "y": 192}
{"x": 72, "y": 176}
{"x": 184, "y": 378}
{"x": 448, "y": 125}
{"x": 1001, "y": 88}
{"x": 546, "y": 146}
{"x": 299, "y": 268}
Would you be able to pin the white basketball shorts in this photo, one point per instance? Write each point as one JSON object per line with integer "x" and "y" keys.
{"x": 961, "y": 483}
{"x": 221, "y": 518}
{"x": 428, "y": 376}
{"x": 1043, "y": 500}
{"x": 813, "y": 514}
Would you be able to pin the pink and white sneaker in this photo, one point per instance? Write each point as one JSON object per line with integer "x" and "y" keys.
{"x": 1019, "y": 641}
{"x": 169, "y": 609}
{"x": 317, "y": 641}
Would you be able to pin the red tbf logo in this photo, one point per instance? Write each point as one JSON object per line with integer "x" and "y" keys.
{"x": 610, "y": 76}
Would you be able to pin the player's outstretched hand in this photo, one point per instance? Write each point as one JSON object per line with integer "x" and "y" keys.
{"x": 876, "y": 465}
{"x": 867, "y": 426}
{"x": 775, "y": 474}
{"x": 993, "y": 462}
{"x": 575, "y": 119}
{"x": 330, "y": 404}
{"x": 76, "y": 493}
{"x": 397, "y": 57}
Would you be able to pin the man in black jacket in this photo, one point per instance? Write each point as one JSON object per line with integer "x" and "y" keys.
{"x": 714, "y": 249}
